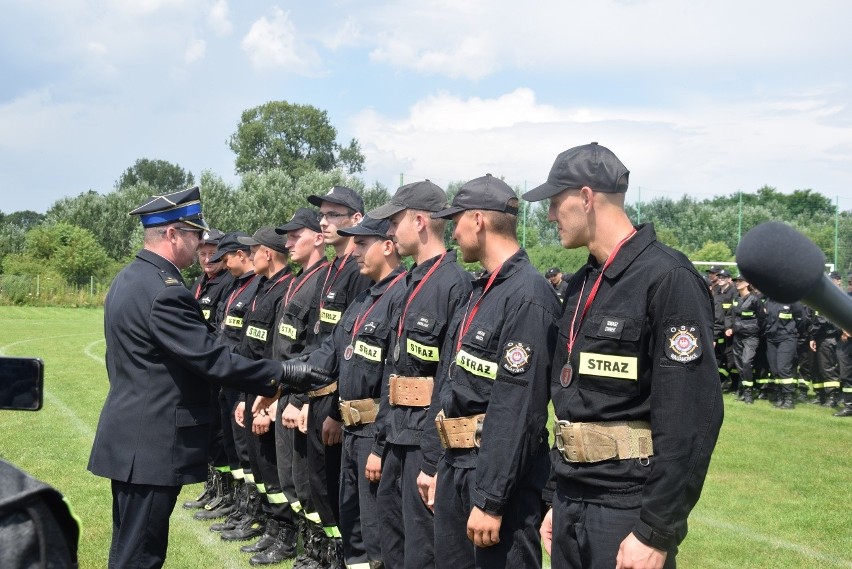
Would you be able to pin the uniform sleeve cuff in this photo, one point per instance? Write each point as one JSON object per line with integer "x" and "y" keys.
{"x": 653, "y": 537}
{"x": 487, "y": 504}
{"x": 428, "y": 468}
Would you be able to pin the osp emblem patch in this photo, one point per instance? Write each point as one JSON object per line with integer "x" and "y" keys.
{"x": 516, "y": 357}
{"x": 682, "y": 344}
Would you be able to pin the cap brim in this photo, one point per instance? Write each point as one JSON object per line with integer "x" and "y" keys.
{"x": 250, "y": 241}
{"x": 357, "y": 230}
{"x": 388, "y": 210}
{"x": 542, "y": 192}
{"x": 447, "y": 213}
{"x": 217, "y": 256}
{"x": 317, "y": 201}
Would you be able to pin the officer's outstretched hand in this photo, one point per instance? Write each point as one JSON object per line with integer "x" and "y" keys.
{"x": 301, "y": 376}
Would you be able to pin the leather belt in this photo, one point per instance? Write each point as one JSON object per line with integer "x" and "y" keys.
{"x": 459, "y": 432}
{"x": 594, "y": 442}
{"x": 410, "y": 391}
{"x": 359, "y": 411}
{"x": 331, "y": 388}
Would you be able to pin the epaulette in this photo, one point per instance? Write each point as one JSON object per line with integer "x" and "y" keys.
{"x": 169, "y": 280}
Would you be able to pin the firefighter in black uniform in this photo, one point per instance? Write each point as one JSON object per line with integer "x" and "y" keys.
{"x": 306, "y": 247}
{"x": 845, "y": 355}
{"x": 355, "y": 353}
{"x": 634, "y": 384}
{"x": 161, "y": 356}
{"x": 783, "y": 325}
{"x": 490, "y": 401}
{"x": 825, "y": 341}
{"x": 435, "y": 288}
{"x": 558, "y": 282}
{"x": 340, "y": 208}
{"x": 745, "y": 330}
{"x": 723, "y": 300}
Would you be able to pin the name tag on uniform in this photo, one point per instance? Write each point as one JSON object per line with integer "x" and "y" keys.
{"x": 368, "y": 352}
{"x": 330, "y": 316}
{"x": 256, "y": 333}
{"x": 422, "y": 352}
{"x": 233, "y": 322}
{"x": 618, "y": 367}
{"x": 476, "y": 366}
{"x": 287, "y": 331}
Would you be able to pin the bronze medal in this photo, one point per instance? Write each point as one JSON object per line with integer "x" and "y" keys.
{"x": 396, "y": 352}
{"x": 566, "y": 374}
{"x": 347, "y": 353}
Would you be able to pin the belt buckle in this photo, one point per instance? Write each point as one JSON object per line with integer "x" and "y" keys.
{"x": 477, "y": 434}
{"x": 355, "y": 415}
{"x": 557, "y": 434}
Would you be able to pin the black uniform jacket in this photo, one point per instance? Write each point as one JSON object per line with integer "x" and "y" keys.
{"x": 644, "y": 351}
{"x": 360, "y": 376}
{"x": 501, "y": 370}
{"x": 747, "y": 316}
{"x": 784, "y": 320}
{"x": 339, "y": 285}
{"x": 235, "y": 304}
{"x": 423, "y": 333}
{"x": 209, "y": 292}
{"x": 161, "y": 356}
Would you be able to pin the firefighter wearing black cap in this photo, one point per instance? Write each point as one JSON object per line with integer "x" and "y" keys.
{"x": 490, "y": 400}
{"x": 783, "y": 324}
{"x": 558, "y": 282}
{"x": 634, "y": 383}
{"x": 825, "y": 342}
{"x": 723, "y": 300}
{"x": 435, "y": 288}
{"x": 340, "y": 208}
{"x": 745, "y": 330}
{"x": 161, "y": 356}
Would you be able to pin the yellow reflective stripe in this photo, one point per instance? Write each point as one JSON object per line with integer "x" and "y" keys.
{"x": 223, "y": 468}
{"x": 476, "y": 366}
{"x": 330, "y": 316}
{"x": 747, "y": 383}
{"x": 723, "y": 371}
{"x": 847, "y": 390}
{"x": 261, "y": 487}
{"x": 726, "y": 305}
{"x": 313, "y": 517}
{"x": 785, "y": 315}
{"x": 256, "y": 333}
{"x": 421, "y": 351}
{"x": 747, "y": 313}
{"x": 785, "y": 381}
{"x": 358, "y": 565}
{"x": 618, "y": 367}
{"x": 234, "y": 322}
{"x": 206, "y": 313}
{"x": 764, "y": 380}
{"x": 832, "y": 384}
{"x": 816, "y": 385}
{"x": 249, "y": 477}
{"x": 296, "y": 506}
{"x": 277, "y": 498}
{"x": 287, "y": 331}
{"x": 331, "y": 531}
{"x": 238, "y": 474}
{"x": 368, "y": 352}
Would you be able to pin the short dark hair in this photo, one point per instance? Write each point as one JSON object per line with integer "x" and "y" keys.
{"x": 504, "y": 223}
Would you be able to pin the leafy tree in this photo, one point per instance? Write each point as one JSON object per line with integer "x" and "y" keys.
{"x": 164, "y": 177}
{"x": 291, "y": 137}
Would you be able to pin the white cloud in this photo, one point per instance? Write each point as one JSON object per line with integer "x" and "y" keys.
{"x": 194, "y": 51}
{"x": 274, "y": 43}
{"x": 218, "y": 18}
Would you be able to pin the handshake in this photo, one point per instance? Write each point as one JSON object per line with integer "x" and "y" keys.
{"x": 301, "y": 376}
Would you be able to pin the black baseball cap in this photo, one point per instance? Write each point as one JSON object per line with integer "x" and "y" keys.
{"x": 368, "y": 226}
{"x": 713, "y": 269}
{"x": 552, "y": 272}
{"x": 212, "y": 236}
{"x": 230, "y": 243}
{"x": 834, "y": 275}
{"x": 184, "y": 206}
{"x": 268, "y": 237}
{"x": 589, "y": 165}
{"x": 486, "y": 192}
{"x": 304, "y": 217}
{"x": 739, "y": 277}
{"x": 340, "y": 195}
{"x": 424, "y": 196}
{"x": 724, "y": 274}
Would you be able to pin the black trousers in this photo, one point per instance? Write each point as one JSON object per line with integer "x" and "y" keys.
{"x": 324, "y": 465}
{"x": 520, "y": 544}
{"x": 140, "y": 524}
{"x": 781, "y": 354}
{"x": 844, "y": 357}
{"x": 407, "y": 525}
{"x": 588, "y": 535}
{"x": 745, "y": 350}
{"x": 359, "y": 519}
{"x": 828, "y": 364}
{"x": 264, "y": 468}
{"x": 233, "y": 436}
{"x": 291, "y": 450}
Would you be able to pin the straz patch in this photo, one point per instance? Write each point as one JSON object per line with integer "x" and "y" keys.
{"x": 605, "y": 365}
{"x": 233, "y": 322}
{"x": 516, "y": 357}
{"x": 421, "y": 351}
{"x": 682, "y": 343}
{"x": 330, "y": 316}
{"x": 287, "y": 331}
{"x": 476, "y": 366}
{"x": 256, "y": 333}
{"x": 368, "y": 352}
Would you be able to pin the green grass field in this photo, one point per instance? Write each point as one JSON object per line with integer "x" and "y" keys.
{"x": 779, "y": 493}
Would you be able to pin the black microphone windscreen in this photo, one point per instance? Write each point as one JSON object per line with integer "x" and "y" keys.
{"x": 780, "y": 261}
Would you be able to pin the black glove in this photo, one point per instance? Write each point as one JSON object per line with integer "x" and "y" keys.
{"x": 301, "y": 376}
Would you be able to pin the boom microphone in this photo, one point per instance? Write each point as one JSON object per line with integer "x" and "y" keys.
{"x": 787, "y": 267}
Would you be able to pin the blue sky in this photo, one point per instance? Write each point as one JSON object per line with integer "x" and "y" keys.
{"x": 695, "y": 99}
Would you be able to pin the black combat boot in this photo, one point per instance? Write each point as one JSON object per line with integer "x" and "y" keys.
{"x": 209, "y": 492}
{"x": 747, "y": 396}
{"x": 223, "y": 503}
{"x": 266, "y": 540}
{"x": 786, "y": 401}
{"x": 830, "y": 399}
{"x": 845, "y": 412}
{"x": 334, "y": 553}
{"x": 253, "y": 523}
{"x": 283, "y": 548}
{"x": 819, "y": 397}
{"x": 313, "y": 538}
{"x": 238, "y": 509}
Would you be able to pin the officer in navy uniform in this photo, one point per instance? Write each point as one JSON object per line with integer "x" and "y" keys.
{"x": 436, "y": 286}
{"x": 558, "y": 282}
{"x": 490, "y": 401}
{"x": 161, "y": 357}
{"x": 635, "y": 388}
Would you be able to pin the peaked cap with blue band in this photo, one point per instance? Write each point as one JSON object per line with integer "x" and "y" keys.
{"x": 184, "y": 206}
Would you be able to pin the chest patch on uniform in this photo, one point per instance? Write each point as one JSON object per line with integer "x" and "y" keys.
{"x": 516, "y": 357}
{"x": 370, "y": 327}
{"x": 330, "y": 316}
{"x": 171, "y": 281}
{"x": 424, "y": 323}
{"x": 421, "y": 351}
{"x": 476, "y": 366}
{"x": 233, "y": 322}
{"x": 206, "y": 314}
{"x": 611, "y": 327}
{"x": 605, "y": 365}
{"x": 287, "y": 331}
{"x": 239, "y": 305}
{"x": 205, "y": 300}
{"x": 682, "y": 343}
{"x": 256, "y": 333}
{"x": 368, "y": 352}
{"x": 331, "y": 296}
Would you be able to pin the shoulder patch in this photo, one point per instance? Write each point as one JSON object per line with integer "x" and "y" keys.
{"x": 682, "y": 343}
{"x": 516, "y": 357}
{"x": 169, "y": 280}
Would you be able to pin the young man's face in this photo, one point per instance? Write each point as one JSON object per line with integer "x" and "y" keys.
{"x": 369, "y": 253}
{"x": 332, "y": 217}
{"x": 404, "y": 232}
{"x": 301, "y": 243}
{"x": 566, "y": 209}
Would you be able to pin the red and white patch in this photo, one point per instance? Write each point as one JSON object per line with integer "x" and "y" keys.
{"x": 516, "y": 357}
